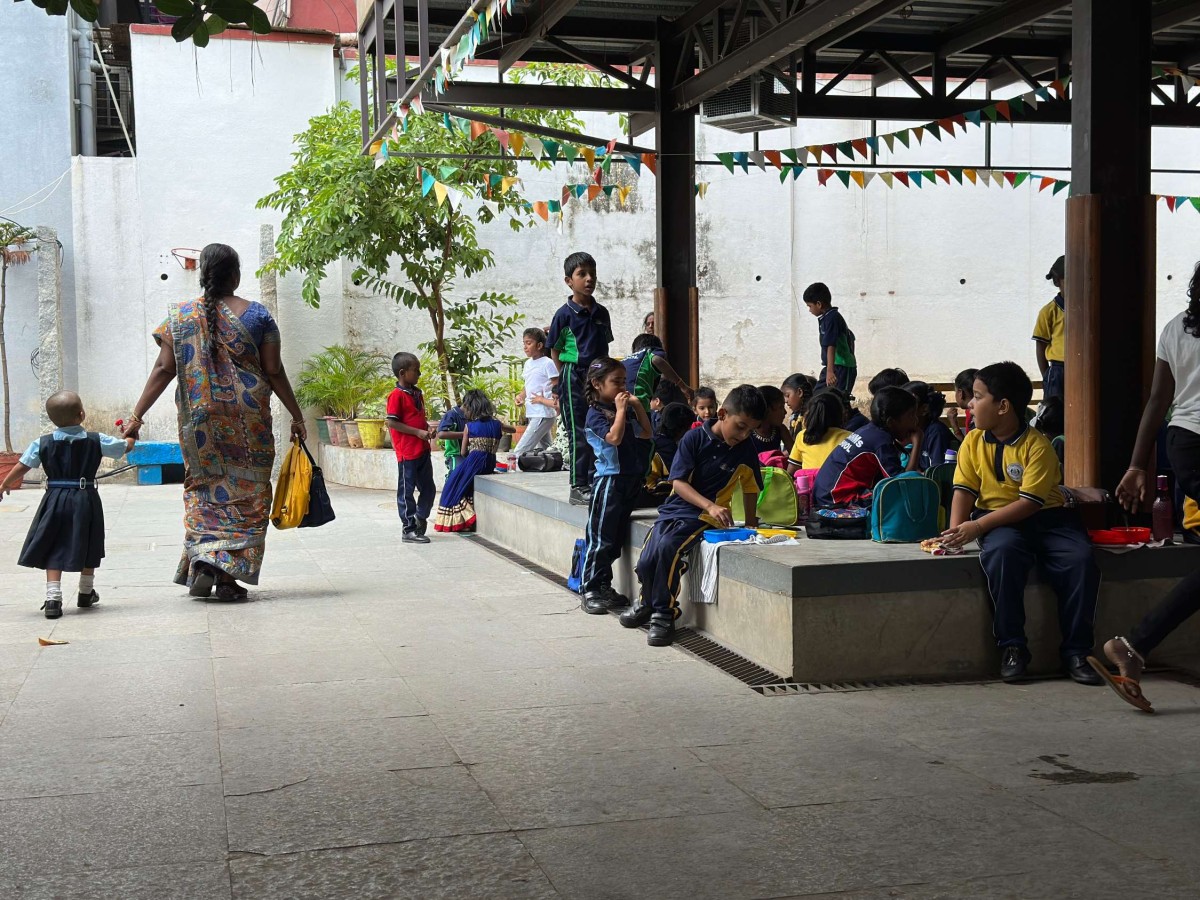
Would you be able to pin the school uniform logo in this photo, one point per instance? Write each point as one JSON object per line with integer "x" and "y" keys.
{"x": 1016, "y": 472}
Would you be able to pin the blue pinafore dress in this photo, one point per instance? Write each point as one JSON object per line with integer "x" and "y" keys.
{"x": 67, "y": 533}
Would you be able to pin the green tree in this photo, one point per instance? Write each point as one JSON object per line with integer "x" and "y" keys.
{"x": 197, "y": 19}
{"x": 338, "y": 204}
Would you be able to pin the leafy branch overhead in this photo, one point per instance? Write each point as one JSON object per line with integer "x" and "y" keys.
{"x": 196, "y": 19}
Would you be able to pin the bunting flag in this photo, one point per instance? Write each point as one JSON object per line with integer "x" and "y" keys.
{"x": 923, "y": 178}
{"x": 1006, "y": 110}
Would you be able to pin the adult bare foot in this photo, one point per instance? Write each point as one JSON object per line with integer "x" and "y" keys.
{"x": 1130, "y": 664}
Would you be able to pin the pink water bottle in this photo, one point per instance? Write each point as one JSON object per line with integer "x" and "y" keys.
{"x": 1162, "y": 514}
{"x": 803, "y": 497}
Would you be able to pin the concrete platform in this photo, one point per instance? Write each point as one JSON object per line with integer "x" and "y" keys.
{"x": 828, "y": 611}
{"x": 371, "y": 469}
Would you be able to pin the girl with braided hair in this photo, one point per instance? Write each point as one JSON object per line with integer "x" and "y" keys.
{"x": 225, "y": 352}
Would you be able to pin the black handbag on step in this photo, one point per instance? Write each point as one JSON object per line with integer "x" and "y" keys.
{"x": 540, "y": 461}
{"x": 320, "y": 510}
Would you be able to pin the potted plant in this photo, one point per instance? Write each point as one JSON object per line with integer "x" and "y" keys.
{"x": 15, "y": 250}
{"x": 339, "y": 380}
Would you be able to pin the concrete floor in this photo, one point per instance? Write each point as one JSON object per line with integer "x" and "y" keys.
{"x": 386, "y": 721}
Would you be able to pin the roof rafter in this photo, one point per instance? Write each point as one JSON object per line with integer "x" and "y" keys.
{"x": 549, "y": 15}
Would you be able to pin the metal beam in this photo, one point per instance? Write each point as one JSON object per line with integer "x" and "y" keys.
{"x": 1173, "y": 13}
{"x": 866, "y": 19}
{"x": 695, "y": 15}
{"x": 544, "y": 96}
{"x": 996, "y": 22}
{"x": 1010, "y": 75}
{"x": 596, "y": 62}
{"x": 770, "y": 47}
{"x": 550, "y": 13}
{"x": 528, "y": 128}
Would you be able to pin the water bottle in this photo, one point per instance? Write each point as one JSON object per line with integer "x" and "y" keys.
{"x": 952, "y": 457}
{"x": 1162, "y": 514}
{"x": 803, "y": 497}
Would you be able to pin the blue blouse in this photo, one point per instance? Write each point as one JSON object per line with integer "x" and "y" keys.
{"x": 261, "y": 325}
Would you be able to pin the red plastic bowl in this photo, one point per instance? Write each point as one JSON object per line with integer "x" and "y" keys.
{"x": 1120, "y": 537}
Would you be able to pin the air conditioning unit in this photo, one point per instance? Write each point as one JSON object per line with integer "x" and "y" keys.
{"x": 761, "y": 102}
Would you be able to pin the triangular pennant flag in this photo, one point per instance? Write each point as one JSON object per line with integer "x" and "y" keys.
{"x": 919, "y": 132}
{"x": 802, "y": 154}
{"x": 935, "y": 129}
{"x": 570, "y": 152}
{"x": 759, "y": 159}
{"x": 790, "y": 155}
{"x": 929, "y": 175}
{"x": 1195, "y": 201}
{"x": 1002, "y": 108}
{"x": 598, "y": 174}
{"x": 536, "y": 148}
{"x": 860, "y": 147}
{"x": 947, "y": 125}
{"x": 844, "y": 177}
{"x": 975, "y": 117}
{"x": 796, "y": 170}
{"x": 970, "y": 175}
{"x": 857, "y": 175}
{"x": 542, "y": 209}
{"x": 608, "y": 189}
{"x": 635, "y": 162}
{"x": 902, "y": 137}
{"x": 419, "y": 105}
{"x": 1042, "y": 93}
{"x": 518, "y": 143}
{"x": 985, "y": 177}
{"x": 823, "y": 176}
{"x": 1020, "y": 179}
{"x": 830, "y": 150}
{"x": 427, "y": 182}
{"x": 1011, "y": 178}
{"x": 867, "y": 176}
{"x": 902, "y": 177}
{"x": 1179, "y": 201}
{"x": 774, "y": 158}
{"x": 650, "y": 161}
{"x": 943, "y": 174}
{"x": 916, "y": 178}
{"x": 961, "y": 121}
{"x": 478, "y": 130}
{"x": 606, "y": 164}
{"x": 554, "y": 206}
{"x": 702, "y": 189}
{"x": 890, "y": 140}
{"x": 815, "y": 151}
{"x": 593, "y": 192}
{"x": 726, "y": 160}
{"x": 873, "y": 143}
{"x": 589, "y": 157}
{"x": 449, "y": 126}
{"x": 501, "y": 137}
{"x": 1045, "y": 183}
{"x": 1017, "y": 104}
{"x": 783, "y": 174}
{"x": 1060, "y": 89}
{"x": 887, "y": 178}
{"x": 957, "y": 174}
{"x": 623, "y": 194}
{"x": 551, "y": 148}
{"x": 742, "y": 158}
{"x": 1030, "y": 100}
{"x": 1171, "y": 204}
{"x": 507, "y": 182}
{"x": 846, "y": 148}
{"x": 494, "y": 181}
{"x": 568, "y": 192}
{"x": 447, "y": 172}
{"x": 439, "y": 190}
{"x": 991, "y": 112}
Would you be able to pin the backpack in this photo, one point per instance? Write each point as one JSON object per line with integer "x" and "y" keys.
{"x": 905, "y": 509}
{"x": 292, "y": 491}
{"x": 540, "y": 461}
{"x": 575, "y": 578}
{"x": 849, "y": 524}
{"x": 943, "y": 477}
{"x": 776, "y": 501}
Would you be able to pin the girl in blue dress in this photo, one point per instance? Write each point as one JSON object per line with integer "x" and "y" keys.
{"x": 481, "y": 438}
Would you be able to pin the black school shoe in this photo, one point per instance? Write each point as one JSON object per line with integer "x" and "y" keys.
{"x": 86, "y": 600}
{"x": 1081, "y": 671}
{"x": 1013, "y": 663}
{"x": 53, "y": 609}
{"x": 581, "y": 496}
{"x": 637, "y": 616}
{"x": 602, "y": 600}
{"x": 422, "y": 526}
{"x": 414, "y": 537}
{"x": 662, "y": 630}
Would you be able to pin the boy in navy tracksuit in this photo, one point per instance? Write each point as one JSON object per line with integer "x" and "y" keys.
{"x": 618, "y": 430}
{"x": 580, "y": 332}
{"x": 839, "y": 368}
{"x": 712, "y": 462}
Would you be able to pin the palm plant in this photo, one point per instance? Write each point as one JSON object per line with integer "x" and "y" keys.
{"x": 340, "y": 379}
{"x": 15, "y": 250}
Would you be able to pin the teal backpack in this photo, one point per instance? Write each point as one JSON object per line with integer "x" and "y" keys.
{"x": 905, "y": 509}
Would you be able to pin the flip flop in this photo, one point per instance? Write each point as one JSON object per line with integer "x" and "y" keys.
{"x": 1120, "y": 683}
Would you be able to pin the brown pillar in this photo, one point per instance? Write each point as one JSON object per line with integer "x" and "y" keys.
{"x": 676, "y": 302}
{"x": 1110, "y": 239}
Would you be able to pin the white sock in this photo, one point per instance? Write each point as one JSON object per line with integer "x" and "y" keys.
{"x": 86, "y": 583}
{"x": 54, "y": 590}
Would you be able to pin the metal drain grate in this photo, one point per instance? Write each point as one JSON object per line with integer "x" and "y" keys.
{"x": 518, "y": 560}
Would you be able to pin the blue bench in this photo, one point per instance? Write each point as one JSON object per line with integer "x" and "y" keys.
{"x": 152, "y": 456}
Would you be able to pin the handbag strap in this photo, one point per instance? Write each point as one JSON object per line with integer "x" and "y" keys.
{"x": 304, "y": 447}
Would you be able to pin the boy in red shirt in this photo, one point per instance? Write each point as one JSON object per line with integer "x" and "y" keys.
{"x": 411, "y": 434}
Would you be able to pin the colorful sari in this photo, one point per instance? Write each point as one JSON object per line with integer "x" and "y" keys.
{"x": 456, "y": 512}
{"x": 224, "y": 403}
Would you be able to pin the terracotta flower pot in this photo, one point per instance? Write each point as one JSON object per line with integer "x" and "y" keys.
{"x": 7, "y": 461}
{"x": 337, "y": 433}
{"x": 353, "y": 438}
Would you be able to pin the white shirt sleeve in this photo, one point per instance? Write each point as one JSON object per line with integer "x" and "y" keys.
{"x": 32, "y": 458}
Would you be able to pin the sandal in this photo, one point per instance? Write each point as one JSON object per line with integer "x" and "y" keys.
{"x": 1126, "y": 688}
{"x": 203, "y": 579}
{"x": 231, "y": 591}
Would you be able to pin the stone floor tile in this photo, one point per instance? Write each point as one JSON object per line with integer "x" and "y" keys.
{"x": 285, "y": 638}
{"x": 284, "y": 704}
{"x": 88, "y": 652}
{"x": 421, "y": 656}
{"x": 271, "y": 815}
{"x": 345, "y": 663}
{"x": 469, "y": 867}
{"x": 325, "y": 748}
{"x": 83, "y": 832}
{"x": 96, "y": 713}
{"x": 147, "y": 678}
{"x": 184, "y": 881}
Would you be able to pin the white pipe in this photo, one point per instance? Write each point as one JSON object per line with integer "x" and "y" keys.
{"x": 86, "y": 87}
{"x": 115, "y": 99}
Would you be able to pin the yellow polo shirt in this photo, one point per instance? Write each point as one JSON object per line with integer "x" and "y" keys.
{"x": 813, "y": 456}
{"x": 997, "y": 474}
{"x": 1048, "y": 330}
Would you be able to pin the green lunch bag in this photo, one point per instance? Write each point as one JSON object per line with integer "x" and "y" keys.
{"x": 776, "y": 502}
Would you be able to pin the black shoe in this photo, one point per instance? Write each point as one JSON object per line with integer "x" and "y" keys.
{"x": 53, "y": 609}
{"x": 422, "y": 526}
{"x": 86, "y": 600}
{"x": 414, "y": 537}
{"x": 203, "y": 579}
{"x": 1013, "y": 663}
{"x": 1081, "y": 671}
{"x": 599, "y": 601}
{"x": 615, "y": 600}
{"x": 581, "y": 496}
{"x": 662, "y": 630}
{"x": 637, "y": 616}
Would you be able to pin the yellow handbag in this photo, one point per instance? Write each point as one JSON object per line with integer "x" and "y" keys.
{"x": 292, "y": 492}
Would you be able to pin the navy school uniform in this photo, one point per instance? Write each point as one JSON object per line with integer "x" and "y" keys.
{"x": 835, "y": 333}
{"x": 856, "y": 465}
{"x": 856, "y": 421}
{"x": 715, "y": 470}
{"x": 580, "y": 336}
{"x": 773, "y": 444}
{"x": 936, "y": 442}
{"x": 641, "y": 378}
{"x": 620, "y": 475}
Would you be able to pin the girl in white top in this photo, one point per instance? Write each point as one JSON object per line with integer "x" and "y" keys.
{"x": 541, "y": 379}
{"x": 1176, "y": 382}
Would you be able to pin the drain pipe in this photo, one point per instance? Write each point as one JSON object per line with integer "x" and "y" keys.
{"x": 85, "y": 86}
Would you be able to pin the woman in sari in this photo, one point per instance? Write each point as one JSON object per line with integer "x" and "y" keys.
{"x": 224, "y": 351}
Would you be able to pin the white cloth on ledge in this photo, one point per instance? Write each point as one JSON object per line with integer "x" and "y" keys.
{"x": 704, "y": 569}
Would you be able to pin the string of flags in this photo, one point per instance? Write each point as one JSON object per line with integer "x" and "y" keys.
{"x": 1163, "y": 71}
{"x": 452, "y": 60}
{"x": 917, "y": 178}
{"x": 865, "y": 147}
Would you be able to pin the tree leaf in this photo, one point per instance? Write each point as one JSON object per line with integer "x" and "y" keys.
{"x": 238, "y": 11}
{"x": 215, "y": 25}
{"x": 200, "y": 35}
{"x": 259, "y": 23}
{"x": 177, "y": 8}
{"x": 184, "y": 28}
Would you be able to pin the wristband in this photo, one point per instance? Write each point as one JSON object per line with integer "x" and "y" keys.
{"x": 1136, "y": 469}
